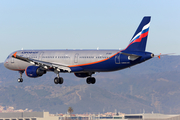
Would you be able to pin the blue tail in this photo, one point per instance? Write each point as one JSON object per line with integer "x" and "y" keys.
{"x": 139, "y": 39}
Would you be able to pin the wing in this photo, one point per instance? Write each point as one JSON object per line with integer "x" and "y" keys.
{"x": 45, "y": 65}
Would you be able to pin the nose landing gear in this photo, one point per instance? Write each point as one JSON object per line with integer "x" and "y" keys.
{"x": 20, "y": 80}
{"x": 58, "y": 79}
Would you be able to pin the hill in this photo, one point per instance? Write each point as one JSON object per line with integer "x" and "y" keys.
{"x": 153, "y": 86}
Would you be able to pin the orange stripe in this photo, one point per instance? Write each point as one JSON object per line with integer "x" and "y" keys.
{"x": 94, "y": 62}
{"x": 88, "y": 63}
{"x": 15, "y": 54}
{"x": 26, "y": 71}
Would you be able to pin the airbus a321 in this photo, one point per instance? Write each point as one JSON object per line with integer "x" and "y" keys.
{"x": 83, "y": 63}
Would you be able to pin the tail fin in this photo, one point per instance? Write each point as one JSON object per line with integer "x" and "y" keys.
{"x": 139, "y": 39}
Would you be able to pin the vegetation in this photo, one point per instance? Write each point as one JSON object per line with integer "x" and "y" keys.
{"x": 70, "y": 110}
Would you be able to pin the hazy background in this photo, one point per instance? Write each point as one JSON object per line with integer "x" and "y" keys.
{"x": 152, "y": 86}
{"x": 79, "y": 24}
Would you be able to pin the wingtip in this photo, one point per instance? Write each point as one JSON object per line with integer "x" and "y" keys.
{"x": 159, "y": 56}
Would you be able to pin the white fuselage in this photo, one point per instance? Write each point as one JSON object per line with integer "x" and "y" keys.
{"x": 63, "y": 57}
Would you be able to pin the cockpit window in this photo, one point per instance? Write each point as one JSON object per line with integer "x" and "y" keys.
{"x": 8, "y": 57}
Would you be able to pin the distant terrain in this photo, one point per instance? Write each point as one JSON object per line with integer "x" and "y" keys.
{"x": 151, "y": 86}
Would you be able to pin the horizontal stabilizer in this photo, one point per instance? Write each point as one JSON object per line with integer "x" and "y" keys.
{"x": 131, "y": 57}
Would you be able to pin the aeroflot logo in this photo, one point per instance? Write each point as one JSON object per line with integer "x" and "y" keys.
{"x": 141, "y": 34}
{"x": 29, "y": 52}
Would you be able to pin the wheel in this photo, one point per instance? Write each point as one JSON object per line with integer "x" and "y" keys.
{"x": 93, "y": 80}
{"x": 88, "y": 80}
{"x": 56, "y": 80}
{"x": 61, "y": 80}
{"x": 20, "y": 80}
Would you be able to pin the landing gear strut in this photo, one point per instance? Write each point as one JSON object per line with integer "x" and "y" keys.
{"x": 91, "y": 80}
{"x": 20, "y": 79}
{"x": 58, "y": 79}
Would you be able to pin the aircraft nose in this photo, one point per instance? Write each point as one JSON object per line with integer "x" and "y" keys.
{"x": 6, "y": 64}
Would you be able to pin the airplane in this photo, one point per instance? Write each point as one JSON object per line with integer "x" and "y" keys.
{"x": 83, "y": 63}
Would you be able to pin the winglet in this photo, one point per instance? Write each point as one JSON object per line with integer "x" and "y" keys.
{"x": 14, "y": 55}
{"x": 159, "y": 56}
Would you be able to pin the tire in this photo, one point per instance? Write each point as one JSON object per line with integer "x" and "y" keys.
{"x": 88, "y": 80}
{"x": 93, "y": 80}
{"x": 61, "y": 80}
{"x": 56, "y": 80}
{"x": 20, "y": 80}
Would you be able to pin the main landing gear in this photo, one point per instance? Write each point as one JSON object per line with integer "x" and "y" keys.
{"x": 20, "y": 80}
{"x": 58, "y": 79}
{"x": 91, "y": 80}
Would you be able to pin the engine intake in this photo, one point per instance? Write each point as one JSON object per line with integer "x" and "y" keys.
{"x": 34, "y": 71}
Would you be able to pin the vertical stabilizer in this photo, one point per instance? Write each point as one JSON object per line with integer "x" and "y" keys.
{"x": 139, "y": 39}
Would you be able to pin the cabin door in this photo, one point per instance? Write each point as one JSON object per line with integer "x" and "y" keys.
{"x": 41, "y": 55}
{"x": 117, "y": 59}
{"x": 76, "y": 58}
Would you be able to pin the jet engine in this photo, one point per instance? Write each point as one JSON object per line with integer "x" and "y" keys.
{"x": 81, "y": 75}
{"x": 34, "y": 71}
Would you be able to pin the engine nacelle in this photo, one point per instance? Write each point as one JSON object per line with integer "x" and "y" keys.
{"x": 34, "y": 71}
{"x": 81, "y": 75}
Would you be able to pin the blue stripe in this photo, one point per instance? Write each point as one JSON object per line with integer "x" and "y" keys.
{"x": 144, "y": 31}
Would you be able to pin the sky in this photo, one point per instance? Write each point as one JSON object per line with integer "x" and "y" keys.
{"x": 80, "y": 24}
